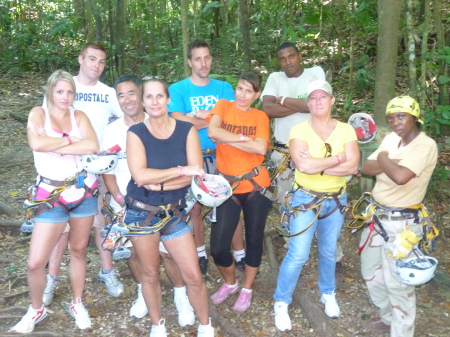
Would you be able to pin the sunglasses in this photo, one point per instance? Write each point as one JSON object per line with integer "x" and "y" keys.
{"x": 149, "y": 78}
{"x": 327, "y": 154}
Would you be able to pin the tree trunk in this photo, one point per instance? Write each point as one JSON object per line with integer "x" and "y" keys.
{"x": 97, "y": 20}
{"x": 411, "y": 50}
{"x": 245, "y": 31}
{"x": 151, "y": 45}
{"x": 90, "y": 30}
{"x": 424, "y": 51}
{"x": 120, "y": 28}
{"x": 385, "y": 73}
{"x": 185, "y": 33}
{"x": 444, "y": 98}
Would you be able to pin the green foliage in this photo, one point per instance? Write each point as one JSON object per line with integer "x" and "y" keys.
{"x": 440, "y": 177}
{"x": 436, "y": 119}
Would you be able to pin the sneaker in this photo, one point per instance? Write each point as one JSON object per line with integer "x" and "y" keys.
{"x": 222, "y": 294}
{"x": 282, "y": 319}
{"x": 31, "y": 318}
{"x": 243, "y": 302}
{"x": 139, "y": 308}
{"x": 49, "y": 290}
{"x": 81, "y": 315}
{"x": 185, "y": 311}
{"x": 240, "y": 264}
{"x": 205, "y": 330}
{"x": 203, "y": 262}
{"x": 376, "y": 324}
{"x": 331, "y": 307}
{"x": 159, "y": 330}
{"x": 113, "y": 285}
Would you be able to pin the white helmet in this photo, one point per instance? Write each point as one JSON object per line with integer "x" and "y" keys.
{"x": 364, "y": 126}
{"x": 99, "y": 163}
{"x": 416, "y": 270}
{"x": 212, "y": 191}
{"x": 190, "y": 200}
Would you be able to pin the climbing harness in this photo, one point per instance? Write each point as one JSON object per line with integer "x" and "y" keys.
{"x": 375, "y": 212}
{"x": 35, "y": 207}
{"x": 315, "y": 205}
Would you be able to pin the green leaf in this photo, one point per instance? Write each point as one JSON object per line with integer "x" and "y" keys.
{"x": 444, "y": 79}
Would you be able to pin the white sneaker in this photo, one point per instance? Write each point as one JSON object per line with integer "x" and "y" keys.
{"x": 331, "y": 307}
{"x": 159, "y": 330}
{"x": 185, "y": 311}
{"x": 31, "y": 318}
{"x": 139, "y": 308}
{"x": 81, "y": 315}
{"x": 113, "y": 285}
{"x": 282, "y": 319}
{"x": 205, "y": 330}
{"x": 49, "y": 290}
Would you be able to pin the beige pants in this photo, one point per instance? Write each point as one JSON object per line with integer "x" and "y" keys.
{"x": 396, "y": 301}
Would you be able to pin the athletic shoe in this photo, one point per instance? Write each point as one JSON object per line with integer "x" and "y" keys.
{"x": 27, "y": 226}
{"x": 205, "y": 330}
{"x": 282, "y": 319}
{"x": 31, "y": 318}
{"x": 331, "y": 307}
{"x": 185, "y": 311}
{"x": 222, "y": 294}
{"x": 113, "y": 285}
{"x": 81, "y": 315}
{"x": 240, "y": 264}
{"x": 121, "y": 252}
{"x": 203, "y": 262}
{"x": 49, "y": 290}
{"x": 139, "y": 308}
{"x": 243, "y": 302}
{"x": 159, "y": 330}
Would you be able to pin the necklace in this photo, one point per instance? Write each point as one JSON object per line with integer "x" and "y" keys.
{"x": 159, "y": 129}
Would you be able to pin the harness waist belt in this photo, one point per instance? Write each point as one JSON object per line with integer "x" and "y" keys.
{"x": 321, "y": 194}
{"x": 245, "y": 176}
{"x": 394, "y": 217}
{"x": 159, "y": 211}
{"x": 57, "y": 183}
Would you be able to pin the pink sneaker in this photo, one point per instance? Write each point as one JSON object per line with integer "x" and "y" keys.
{"x": 224, "y": 291}
{"x": 243, "y": 302}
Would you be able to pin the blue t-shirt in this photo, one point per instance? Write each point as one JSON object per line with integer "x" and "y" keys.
{"x": 187, "y": 97}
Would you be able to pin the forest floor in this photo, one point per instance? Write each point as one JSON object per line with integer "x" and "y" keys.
{"x": 110, "y": 315}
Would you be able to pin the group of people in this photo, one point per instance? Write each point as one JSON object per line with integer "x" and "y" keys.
{"x": 199, "y": 126}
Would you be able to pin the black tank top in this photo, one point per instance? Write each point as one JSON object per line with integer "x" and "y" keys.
{"x": 161, "y": 154}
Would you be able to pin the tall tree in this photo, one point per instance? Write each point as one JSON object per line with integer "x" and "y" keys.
{"x": 424, "y": 52}
{"x": 385, "y": 73}
{"x": 185, "y": 33}
{"x": 120, "y": 28}
{"x": 411, "y": 50}
{"x": 245, "y": 31}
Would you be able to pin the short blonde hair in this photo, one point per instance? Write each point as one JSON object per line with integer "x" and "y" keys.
{"x": 58, "y": 75}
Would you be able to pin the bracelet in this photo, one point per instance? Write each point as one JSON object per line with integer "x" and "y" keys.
{"x": 162, "y": 186}
{"x": 282, "y": 100}
{"x": 338, "y": 159}
{"x": 180, "y": 171}
{"x": 242, "y": 137}
{"x": 118, "y": 197}
{"x": 68, "y": 138}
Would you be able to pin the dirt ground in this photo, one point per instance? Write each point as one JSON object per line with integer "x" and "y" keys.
{"x": 110, "y": 315}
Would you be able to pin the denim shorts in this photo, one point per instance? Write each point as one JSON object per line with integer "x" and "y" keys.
{"x": 180, "y": 229}
{"x": 79, "y": 209}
